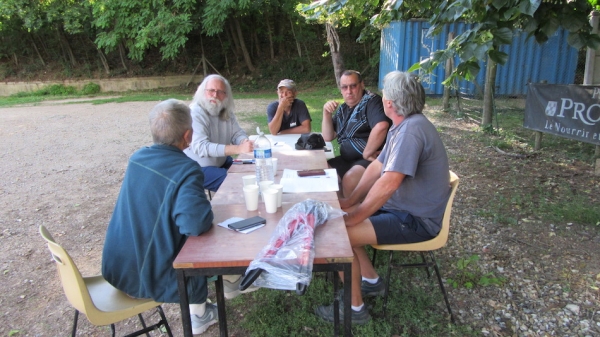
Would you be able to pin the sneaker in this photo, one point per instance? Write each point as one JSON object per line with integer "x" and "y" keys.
{"x": 370, "y": 289}
{"x": 232, "y": 290}
{"x": 358, "y": 317}
{"x": 210, "y": 317}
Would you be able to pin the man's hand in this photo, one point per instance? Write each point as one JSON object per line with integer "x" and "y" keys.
{"x": 246, "y": 146}
{"x": 286, "y": 102}
{"x": 330, "y": 107}
{"x": 345, "y": 203}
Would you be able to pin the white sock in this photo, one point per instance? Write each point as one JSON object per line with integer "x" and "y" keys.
{"x": 371, "y": 280}
{"x": 232, "y": 278}
{"x": 358, "y": 308}
{"x": 198, "y": 309}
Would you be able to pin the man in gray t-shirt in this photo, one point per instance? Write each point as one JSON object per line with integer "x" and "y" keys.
{"x": 402, "y": 195}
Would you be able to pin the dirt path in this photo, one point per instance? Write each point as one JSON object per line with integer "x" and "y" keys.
{"x": 62, "y": 167}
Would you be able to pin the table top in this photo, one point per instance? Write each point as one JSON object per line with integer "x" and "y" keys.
{"x": 230, "y": 192}
{"x": 221, "y": 247}
{"x": 292, "y": 159}
{"x": 287, "y": 142}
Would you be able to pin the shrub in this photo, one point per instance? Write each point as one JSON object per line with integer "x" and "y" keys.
{"x": 90, "y": 89}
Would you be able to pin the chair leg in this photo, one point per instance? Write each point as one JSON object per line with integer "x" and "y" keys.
{"x": 374, "y": 256}
{"x": 387, "y": 282}
{"x": 143, "y": 324}
{"x": 164, "y": 319}
{"x": 74, "y": 330}
{"x": 426, "y": 264}
{"x": 439, "y": 277}
{"x": 112, "y": 328}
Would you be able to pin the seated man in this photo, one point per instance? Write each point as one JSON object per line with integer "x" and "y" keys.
{"x": 288, "y": 114}
{"x": 161, "y": 203}
{"x": 360, "y": 126}
{"x": 217, "y": 134}
{"x": 402, "y": 195}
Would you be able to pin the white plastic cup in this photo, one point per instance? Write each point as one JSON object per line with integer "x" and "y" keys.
{"x": 274, "y": 161}
{"x": 264, "y": 185}
{"x": 270, "y": 196}
{"x": 251, "y": 197}
{"x": 279, "y": 189}
{"x": 249, "y": 180}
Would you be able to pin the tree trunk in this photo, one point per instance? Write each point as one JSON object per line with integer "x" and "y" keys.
{"x": 295, "y": 38}
{"x": 66, "y": 46}
{"x": 224, "y": 53}
{"x": 101, "y": 56}
{"x": 334, "y": 46}
{"x": 488, "y": 94}
{"x": 236, "y": 45}
{"x": 36, "y": 49}
{"x": 122, "y": 55}
{"x": 448, "y": 72}
{"x": 243, "y": 46}
{"x": 270, "y": 35}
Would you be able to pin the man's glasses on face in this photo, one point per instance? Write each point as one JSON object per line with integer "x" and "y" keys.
{"x": 215, "y": 91}
{"x": 349, "y": 86}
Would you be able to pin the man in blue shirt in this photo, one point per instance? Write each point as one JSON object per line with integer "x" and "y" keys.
{"x": 288, "y": 114}
{"x": 160, "y": 204}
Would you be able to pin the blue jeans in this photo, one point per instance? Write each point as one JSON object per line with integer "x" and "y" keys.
{"x": 214, "y": 176}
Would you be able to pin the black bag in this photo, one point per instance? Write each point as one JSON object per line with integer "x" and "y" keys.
{"x": 310, "y": 141}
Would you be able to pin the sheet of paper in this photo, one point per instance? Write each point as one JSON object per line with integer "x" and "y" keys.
{"x": 235, "y": 219}
{"x": 294, "y": 184}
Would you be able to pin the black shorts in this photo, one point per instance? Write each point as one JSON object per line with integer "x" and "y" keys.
{"x": 393, "y": 227}
{"x": 342, "y": 166}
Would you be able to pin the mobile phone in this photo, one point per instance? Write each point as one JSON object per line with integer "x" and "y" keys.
{"x": 247, "y": 223}
{"x": 310, "y": 173}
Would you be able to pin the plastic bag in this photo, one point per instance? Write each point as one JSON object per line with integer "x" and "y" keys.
{"x": 286, "y": 262}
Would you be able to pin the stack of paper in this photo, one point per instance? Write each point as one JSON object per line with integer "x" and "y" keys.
{"x": 294, "y": 184}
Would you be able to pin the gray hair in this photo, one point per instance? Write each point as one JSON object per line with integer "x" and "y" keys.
{"x": 228, "y": 104}
{"x": 405, "y": 91}
{"x": 169, "y": 120}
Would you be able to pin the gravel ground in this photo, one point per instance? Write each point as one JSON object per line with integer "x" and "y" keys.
{"x": 62, "y": 167}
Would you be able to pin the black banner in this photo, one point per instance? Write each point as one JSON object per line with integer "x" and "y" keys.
{"x": 569, "y": 111}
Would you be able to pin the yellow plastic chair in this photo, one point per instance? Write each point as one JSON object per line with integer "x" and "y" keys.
{"x": 102, "y": 303}
{"x": 422, "y": 247}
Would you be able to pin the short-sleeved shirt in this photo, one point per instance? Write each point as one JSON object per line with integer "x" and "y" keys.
{"x": 298, "y": 114}
{"x": 354, "y": 127}
{"x": 415, "y": 149}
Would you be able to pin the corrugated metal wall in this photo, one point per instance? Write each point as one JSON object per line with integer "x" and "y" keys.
{"x": 404, "y": 43}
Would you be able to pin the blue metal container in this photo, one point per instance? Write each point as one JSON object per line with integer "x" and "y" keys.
{"x": 404, "y": 43}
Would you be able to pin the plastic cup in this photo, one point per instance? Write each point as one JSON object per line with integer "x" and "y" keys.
{"x": 279, "y": 189}
{"x": 251, "y": 197}
{"x": 274, "y": 161}
{"x": 270, "y": 196}
{"x": 249, "y": 180}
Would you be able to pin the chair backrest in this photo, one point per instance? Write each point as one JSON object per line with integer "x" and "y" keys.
{"x": 440, "y": 240}
{"x": 70, "y": 277}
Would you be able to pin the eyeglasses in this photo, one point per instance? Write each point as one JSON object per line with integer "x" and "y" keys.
{"x": 349, "y": 86}
{"x": 215, "y": 91}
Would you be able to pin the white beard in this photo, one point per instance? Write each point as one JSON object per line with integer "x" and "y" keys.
{"x": 213, "y": 109}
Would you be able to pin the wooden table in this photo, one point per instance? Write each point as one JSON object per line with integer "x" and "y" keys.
{"x": 211, "y": 253}
{"x": 292, "y": 159}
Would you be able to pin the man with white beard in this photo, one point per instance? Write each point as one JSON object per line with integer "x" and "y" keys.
{"x": 217, "y": 135}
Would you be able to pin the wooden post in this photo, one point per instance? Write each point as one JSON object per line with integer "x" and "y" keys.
{"x": 538, "y": 141}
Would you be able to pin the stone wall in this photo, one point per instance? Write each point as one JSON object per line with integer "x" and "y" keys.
{"x": 106, "y": 85}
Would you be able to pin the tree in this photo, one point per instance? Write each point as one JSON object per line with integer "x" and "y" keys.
{"x": 495, "y": 22}
{"x": 336, "y": 14}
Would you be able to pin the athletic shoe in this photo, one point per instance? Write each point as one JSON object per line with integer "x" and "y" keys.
{"x": 232, "y": 290}
{"x": 358, "y": 317}
{"x": 370, "y": 289}
{"x": 210, "y": 317}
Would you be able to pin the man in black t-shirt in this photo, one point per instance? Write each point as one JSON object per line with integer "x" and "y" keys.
{"x": 360, "y": 126}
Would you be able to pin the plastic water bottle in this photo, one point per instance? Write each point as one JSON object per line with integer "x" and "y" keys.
{"x": 262, "y": 158}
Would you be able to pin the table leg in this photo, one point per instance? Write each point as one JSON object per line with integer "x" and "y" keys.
{"x": 186, "y": 320}
{"x": 221, "y": 306}
{"x": 347, "y": 299}
{"x": 336, "y": 305}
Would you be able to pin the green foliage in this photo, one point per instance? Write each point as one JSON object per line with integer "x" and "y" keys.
{"x": 90, "y": 89}
{"x": 468, "y": 275}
